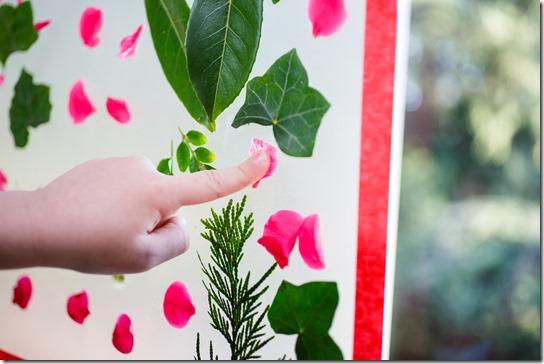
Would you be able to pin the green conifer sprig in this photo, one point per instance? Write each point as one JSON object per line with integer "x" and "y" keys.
{"x": 233, "y": 303}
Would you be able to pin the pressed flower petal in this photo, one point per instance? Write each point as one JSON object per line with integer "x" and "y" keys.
{"x": 78, "y": 307}
{"x": 22, "y": 292}
{"x": 118, "y": 110}
{"x": 89, "y": 26}
{"x": 41, "y": 24}
{"x": 177, "y": 305}
{"x": 309, "y": 242}
{"x": 280, "y": 235}
{"x": 2, "y": 79}
{"x": 327, "y": 16}
{"x": 127, "y": 47}
{"x": 79, "y": 105}
{"x": 3, "y": 181}
{"x": 258, "y": 145}
{"x": 122, "y": 337}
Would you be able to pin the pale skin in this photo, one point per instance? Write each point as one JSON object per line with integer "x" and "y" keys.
{"x": 110, "y": 216}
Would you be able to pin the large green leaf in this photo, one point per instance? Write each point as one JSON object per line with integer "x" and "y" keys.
{"x": 283, "y": 99}
{"x": 17, "y": 31}
{"x": 168, "y": 23}
{"x": 222, "y": 42}
{"x": 30, "y": 107}
{"x": 307, "y": 311}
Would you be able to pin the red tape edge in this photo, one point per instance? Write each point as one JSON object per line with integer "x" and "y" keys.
{"x": 7, "y": 356}
{"x": 377, "y": 114}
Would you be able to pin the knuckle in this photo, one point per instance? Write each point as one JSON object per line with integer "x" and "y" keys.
{"x": 213, "y": 180}
{"x": 246, "y": 176}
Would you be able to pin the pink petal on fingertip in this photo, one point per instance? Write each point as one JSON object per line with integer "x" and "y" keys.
{"x": 3, "y": 181}
{"x": 326, "y": 16}
{"x": 118, "y": 110}
{"x": 89, "y": 26}
{"x": 77, "y": 307}
{"x": 177, "y": 305}
{"x": 123, "y": 338}
{"x": 309, "y": 242}
{"x": 257, "y": 146}
{"x": 79, "y": 105}
{"x": 22, "y": 292}
{"x": 280, "y": 235}
{"x": 127, "y": 47}
{"x": 41, "y": 24}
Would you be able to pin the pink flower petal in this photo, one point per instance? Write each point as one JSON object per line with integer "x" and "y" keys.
{"x": 41, "y": 24}
{"x": 3, "y": 181}
{"x": 309, "y": 242}
{"x": 78, "y": 307}
{"x": 22, "y": 292}
{"x": 118, "y": 110}
{"x": 79, "y": 105}
{"x": 128, "y": 44}
{"x": 280, "y": 235}
{"x": 327, "y": 16}
{"x": 122, "y": 337}
{"x": 177, "y": 305}
{"x": 2, "y": 79}
{"x": 89, "y": 26}
{"x": 258, "y": 145}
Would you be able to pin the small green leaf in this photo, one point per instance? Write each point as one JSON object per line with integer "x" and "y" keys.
{"x": 168, "y": 24}
{"x": 282, "y": 98}
{"x": 204, "y": 155}
{"x": 208, "y": 167}
{"x": 275, "y": 1}
{"x": 222, "y": 41}
{"x": 183, "y": 156}
{"x": 30, "y": 107}
{"x": 194, "y": 166}
{"x": 119, "y": 278}
{"x": 164, "y": 167}
{"x": 310, "y": 347}
{"x": 17, "y": 31}
{"x": 196, "y": 138}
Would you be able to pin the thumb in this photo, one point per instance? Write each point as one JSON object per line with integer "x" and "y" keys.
{"x": 167, "y": 242}
{"x": 206, "y": 186}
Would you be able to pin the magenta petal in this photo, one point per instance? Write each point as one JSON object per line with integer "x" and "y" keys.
{"x": 258, "y": 145}
{"x": 2, "y": 79}
{"x": 22, "y": 292}
{"x": 327, "y": 16}
{"x": 309, "y": 242}
{"x": 122, "y": 337}
{"x": 89, "y": 26}
{"x": 41, "y": 24}
{"x": 128, "y": 44}
{"x": 118, "y": 110}
{"x": 3, "y": 181}
{"x": 79, "y": 105}
{"x": 177, "y": 305}
{"x": 280, "y": 235}
{"x": 78, "y": 307}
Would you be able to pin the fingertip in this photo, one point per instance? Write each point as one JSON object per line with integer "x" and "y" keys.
{"x": 258, "y": 165}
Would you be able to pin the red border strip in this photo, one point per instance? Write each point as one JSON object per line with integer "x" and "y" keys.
{"x": 377, "y": 114}
{"x": 7, "y": 356}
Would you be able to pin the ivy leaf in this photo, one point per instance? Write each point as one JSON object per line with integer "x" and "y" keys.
{"x": 183, "y": 156}
{"x": 164, "y": 167}
{"x": 222, "y": 41}
{"x": 196, "y": 138}
{"x": 168, "y": 24}
{"x": 17, "y": 31}
{"x": 283, "y": 99}
{"x": 30, "y": 107}
{"x": 204, "y": 155}
{"x": 307, "y": 311}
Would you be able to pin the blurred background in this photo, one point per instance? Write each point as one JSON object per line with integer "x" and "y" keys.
{"x": 468, "y": 267}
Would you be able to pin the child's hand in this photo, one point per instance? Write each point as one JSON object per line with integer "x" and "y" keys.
{"x": 113, "y": 215}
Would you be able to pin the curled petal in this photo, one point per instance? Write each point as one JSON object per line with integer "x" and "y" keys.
{"x": 327, "y": 16}
{"x": 2, "y": 79}
{"x": 177, "y": 305}
{"x": 78, "y": 307}
{"x": 122, "y": 337}
{"x": 127, "y": 47}
{"x": 22, "y": 292}
{"x": 79, "y": 105}
{"x": 3, "y": 181}
{"x": 280, "y": 235}
{"x": 41, "y": 24}
{"x": 89, "y": 26}
{"x": 309, "y": 242}
{"x": 118, "y": 110}
{"x": 258, "y": 145}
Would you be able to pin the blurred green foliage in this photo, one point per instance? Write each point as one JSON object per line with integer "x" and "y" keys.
{"x": 468, "y": 265}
